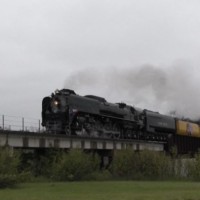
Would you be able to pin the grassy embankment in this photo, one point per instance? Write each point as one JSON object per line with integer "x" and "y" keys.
{"x": 122, "y": 190}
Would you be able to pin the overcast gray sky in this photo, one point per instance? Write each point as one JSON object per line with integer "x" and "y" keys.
{"x": 44, "y": 43}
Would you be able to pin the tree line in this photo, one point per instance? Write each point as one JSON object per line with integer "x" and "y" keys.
{"x": 76, "y": 165}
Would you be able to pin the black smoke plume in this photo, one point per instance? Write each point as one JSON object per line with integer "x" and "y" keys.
{"x": 172, "y": 90}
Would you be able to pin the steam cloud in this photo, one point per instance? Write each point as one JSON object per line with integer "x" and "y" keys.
{"x": 170, "y": 91}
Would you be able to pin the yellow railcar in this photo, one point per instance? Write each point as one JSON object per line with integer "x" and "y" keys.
{"x": 187, "y": 128}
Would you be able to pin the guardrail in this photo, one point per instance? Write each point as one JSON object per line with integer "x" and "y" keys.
{"x": 16, "y": 123}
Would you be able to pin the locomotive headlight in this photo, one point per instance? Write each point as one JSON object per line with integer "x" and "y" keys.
{"x": 56, "y": 103}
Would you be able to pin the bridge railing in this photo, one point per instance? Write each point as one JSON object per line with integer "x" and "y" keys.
{"x": 16, "y": 123}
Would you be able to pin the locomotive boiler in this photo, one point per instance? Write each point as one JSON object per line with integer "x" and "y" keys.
{"x": 72, "y": 114}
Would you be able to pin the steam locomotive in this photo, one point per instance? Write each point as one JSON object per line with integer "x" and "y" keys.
{"x": 65, "y": 112}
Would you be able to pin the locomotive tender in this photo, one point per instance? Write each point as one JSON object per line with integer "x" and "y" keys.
{"x": 65, "y": 112}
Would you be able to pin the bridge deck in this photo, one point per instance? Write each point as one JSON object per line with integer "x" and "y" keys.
{"x": 21, "y": 139}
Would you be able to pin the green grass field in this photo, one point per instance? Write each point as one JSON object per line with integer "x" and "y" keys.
{"x": 119, "y": 190}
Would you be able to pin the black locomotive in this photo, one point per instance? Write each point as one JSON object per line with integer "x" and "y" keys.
{"x": 92, "y": 116}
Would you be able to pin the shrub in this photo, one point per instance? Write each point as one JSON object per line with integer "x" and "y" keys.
{"x": 9, "y": 162}
{"x": 154, "y": 165}
{"x": 122, "y": 164}
{"x": 75, "y": 165}
{"x": 193, "y": 168}
{"x": 128, "y": 164}
{"x": 7, "y": 180}
{"x": 40, "y": 163}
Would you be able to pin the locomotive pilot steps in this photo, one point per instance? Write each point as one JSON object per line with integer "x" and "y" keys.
{"x": 65, "y": 112}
